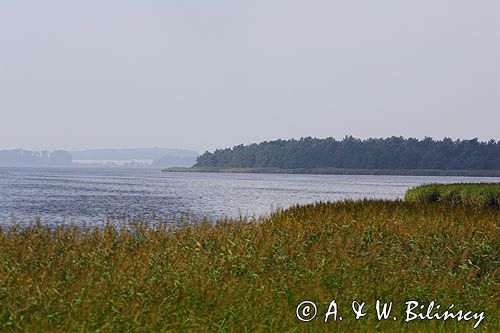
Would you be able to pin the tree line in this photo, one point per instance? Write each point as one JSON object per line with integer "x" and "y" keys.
{"x": 354, "y": 153}
{"x": 21, "y": 157}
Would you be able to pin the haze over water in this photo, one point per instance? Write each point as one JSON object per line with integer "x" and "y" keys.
{"x": 91, "y": 195}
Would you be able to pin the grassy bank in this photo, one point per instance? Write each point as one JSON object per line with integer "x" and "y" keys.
{"x": 251, "y": 275}
{"x": 341, "y": 171}
{"x": 478, "y": 195}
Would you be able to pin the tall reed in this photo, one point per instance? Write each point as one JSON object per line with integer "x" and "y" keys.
{"x": 240, "y": 275}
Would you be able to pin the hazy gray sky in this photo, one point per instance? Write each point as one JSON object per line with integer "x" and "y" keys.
{"x": 208, "y": 74}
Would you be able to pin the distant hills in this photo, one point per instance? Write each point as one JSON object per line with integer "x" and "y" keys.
{"x": 131, "y": 154}
{"x": 21, "y": 157}
{"x": 139, "y": 157}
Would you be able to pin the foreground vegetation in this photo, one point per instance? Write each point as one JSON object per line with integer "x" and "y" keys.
{"x": 478, "y": 195}
{"x": 250, "y": 275}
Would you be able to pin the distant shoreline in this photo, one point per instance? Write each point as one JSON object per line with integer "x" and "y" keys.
{"x": 342, "y": 171}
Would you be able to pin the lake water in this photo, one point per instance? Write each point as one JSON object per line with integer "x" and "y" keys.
{"x": 91, "y": 195}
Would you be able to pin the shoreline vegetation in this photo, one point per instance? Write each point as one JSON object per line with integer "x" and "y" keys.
{"x": 250, "y": 275}
{"x": 353, "y": 156}
{"x": 342, "y": 171}
{"x": 476, "y": 195}
{"x": 393, "y": 155}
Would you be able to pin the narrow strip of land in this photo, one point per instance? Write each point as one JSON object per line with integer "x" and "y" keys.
{"x": 344, "y": 171}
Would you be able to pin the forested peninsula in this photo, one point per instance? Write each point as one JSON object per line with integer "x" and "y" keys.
{"x": 394, "y": 155}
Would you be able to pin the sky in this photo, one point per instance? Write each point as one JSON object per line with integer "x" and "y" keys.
{"x": 203, "y": 75}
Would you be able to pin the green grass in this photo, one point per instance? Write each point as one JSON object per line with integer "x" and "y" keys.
{"x": 250, "y": 275}
{"x": 478, "y": 195}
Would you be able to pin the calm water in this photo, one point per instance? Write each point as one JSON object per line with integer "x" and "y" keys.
{"x": 91, "y": 195}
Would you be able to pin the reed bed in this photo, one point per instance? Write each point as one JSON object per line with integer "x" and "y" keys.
{"x": 478, "y": 195}
{"x": 249, "y": 275}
